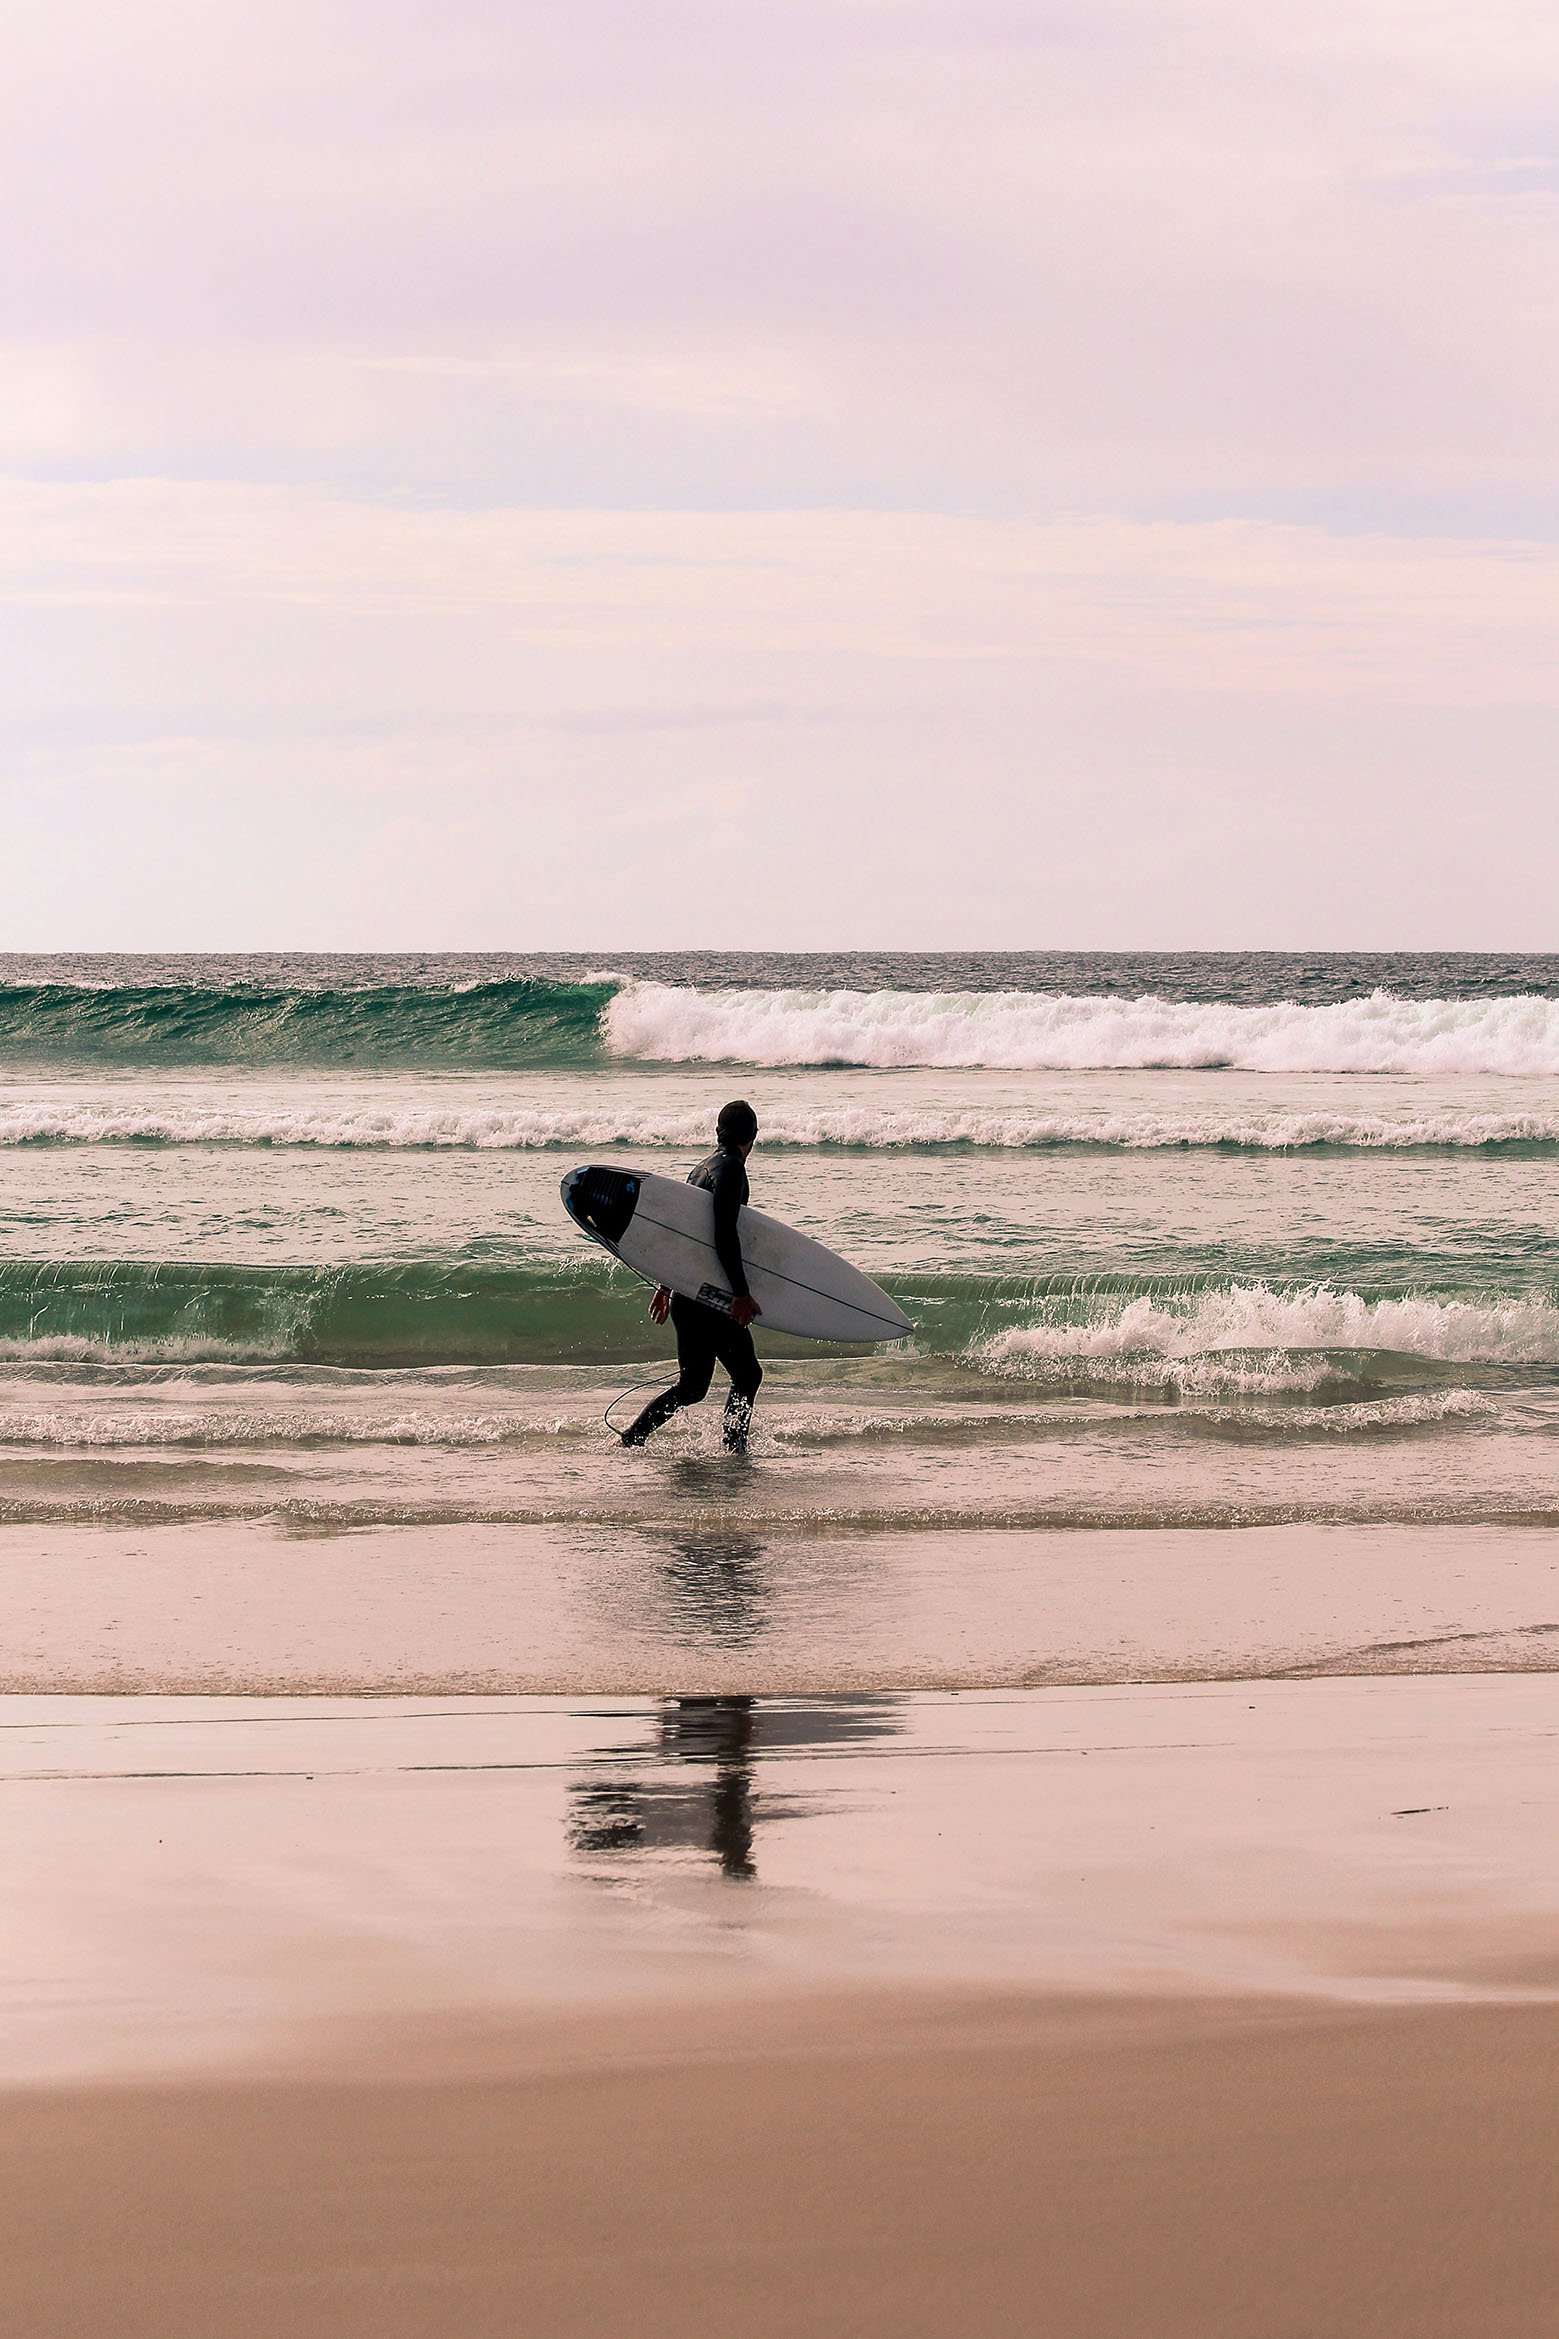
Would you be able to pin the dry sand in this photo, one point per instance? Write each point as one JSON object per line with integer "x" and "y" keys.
{"x": 1083, "y": 2169}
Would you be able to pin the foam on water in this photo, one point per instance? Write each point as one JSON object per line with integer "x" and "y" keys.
{"x": 1035, "y": 1031}
{"x": 307, "y": 1325}
{"x": 452, "y": 1310}
{"x": 874, "y": 1128}
{"x": 536, "y": 1019}
{"x": 780, "y": 1427}
{"x": 1250, "y": 1336}
{"x": 228, "y": 1426}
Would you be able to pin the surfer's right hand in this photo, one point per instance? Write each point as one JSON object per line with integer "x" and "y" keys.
{"x": 660, "y": 1304}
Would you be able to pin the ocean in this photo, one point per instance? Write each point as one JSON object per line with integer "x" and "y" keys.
{"x": 1187, "y": 1242}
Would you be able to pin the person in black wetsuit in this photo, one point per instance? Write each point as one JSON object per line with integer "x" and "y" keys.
{"x": 708, "y": 1336}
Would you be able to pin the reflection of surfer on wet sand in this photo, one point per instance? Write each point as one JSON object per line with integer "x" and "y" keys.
{"x": 708, "y": 1336}
{"x": 695, "y": 1790}
{"x": 714, "y": 1815}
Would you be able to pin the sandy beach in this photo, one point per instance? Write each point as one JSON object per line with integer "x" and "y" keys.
{"x": 1198, "y": 2009}
{"x": 779, "y": 1109}
{"x": 705, "y": 1591}
{"x": 1056, "y": 1837}
{"x": 1076, "y": 2168}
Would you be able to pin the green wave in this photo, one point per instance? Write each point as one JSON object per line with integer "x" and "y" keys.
{"x": 1090, "y": 1332}
{"x": 427, "y": 1311}
{"x": 418, "y": 1313}
{"x": 530, "y": 1021}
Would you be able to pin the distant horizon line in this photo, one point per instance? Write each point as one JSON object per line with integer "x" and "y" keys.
{"x": 779, "y": 950}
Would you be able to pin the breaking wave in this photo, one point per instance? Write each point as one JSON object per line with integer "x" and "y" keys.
{"x": 1138, "y": 1332}
{"x": 1253, "y": 1337}
{"x": 507, "y": 1024}
{"x": 537, "y": 1021}
{"x": 1032, "y": 1031}
{"x": 414, "y": 1127}
{"x": 436, "y": 1311}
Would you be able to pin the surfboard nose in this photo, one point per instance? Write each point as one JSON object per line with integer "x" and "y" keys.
{"x": 602, "y": 1201}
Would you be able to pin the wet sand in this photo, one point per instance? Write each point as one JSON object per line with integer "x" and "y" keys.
{"x": 1224, "y": 2010}
{"x": 757, "y": 1606}
{"x": 200, "y": 1883}
{"x": 889, "y": 2168}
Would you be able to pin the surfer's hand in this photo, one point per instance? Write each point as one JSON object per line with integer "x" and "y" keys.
{"x": 744, "y": 1309}
{"x": 660, "y": 1304}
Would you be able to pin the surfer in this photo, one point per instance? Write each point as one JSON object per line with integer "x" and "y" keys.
{"x": 708, "y": 1336}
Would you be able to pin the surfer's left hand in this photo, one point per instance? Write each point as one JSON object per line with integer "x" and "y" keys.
{"x": 660, "y": 1304}
{"x": 743, "y": 1310}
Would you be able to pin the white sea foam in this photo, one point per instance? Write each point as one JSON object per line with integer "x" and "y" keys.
{"x": 1427, "y": 1409}
{"x": 1248, "y": 1336}
{"x": 1030, "y": 1031}
{"x": 232, "y": 1426}
{"x": 170, "y": 1348}
{"x": 1431, "y": 1409}
{"x": 153, "y": 1427}
{"x": 879, "y": 1127}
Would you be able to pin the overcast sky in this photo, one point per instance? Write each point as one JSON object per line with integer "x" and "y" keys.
{"x": 787, "y": 472}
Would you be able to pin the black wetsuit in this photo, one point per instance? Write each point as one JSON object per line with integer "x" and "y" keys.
{"x": 707, "y": 1336}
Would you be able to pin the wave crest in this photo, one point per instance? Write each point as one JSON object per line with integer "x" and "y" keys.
{"x": 1024, "y": 1031}
{"x": 525, "y": 1021}
{"x": 413, "y": 1128}
{"x": 1249, "y": 1337}
{"x": 533, "y": 1020}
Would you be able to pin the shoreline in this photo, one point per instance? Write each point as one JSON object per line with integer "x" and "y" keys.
{"x": 698, "y": 1606}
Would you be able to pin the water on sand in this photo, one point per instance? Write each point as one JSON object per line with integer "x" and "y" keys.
{"x": 1186, "y": 1244}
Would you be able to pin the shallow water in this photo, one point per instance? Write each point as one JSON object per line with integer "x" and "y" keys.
{"x": 282, "y": 1241}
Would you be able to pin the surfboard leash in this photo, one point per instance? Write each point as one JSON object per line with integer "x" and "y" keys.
{"x": 624, "y": 1394}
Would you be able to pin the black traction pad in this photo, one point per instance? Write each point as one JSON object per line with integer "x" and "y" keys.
{"x": 604, "y": 1201}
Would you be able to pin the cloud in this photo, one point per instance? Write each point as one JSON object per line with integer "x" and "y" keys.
{"x": 818, "y": 470}
{"x": 1132, "y": 254}
{"x": 1213, "y": 607}
{"x": 260, "y": 717}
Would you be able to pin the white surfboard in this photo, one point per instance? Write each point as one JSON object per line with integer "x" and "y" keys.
{"x": 665, "y": 1231}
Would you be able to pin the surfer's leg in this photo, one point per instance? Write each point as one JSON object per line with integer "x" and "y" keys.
{"x": 736, "y": 1422}
{"x": 695, "y": 1370}
{"x": 658, "y": 1410}
{"x": 740, "y": 1360}
{"x": 698, "y": 1344}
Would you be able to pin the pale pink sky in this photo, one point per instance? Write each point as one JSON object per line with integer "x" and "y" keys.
{"x": 847, "y": 471}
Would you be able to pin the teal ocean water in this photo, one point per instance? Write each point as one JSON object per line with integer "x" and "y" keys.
{"x": 1182, "y": 1238}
